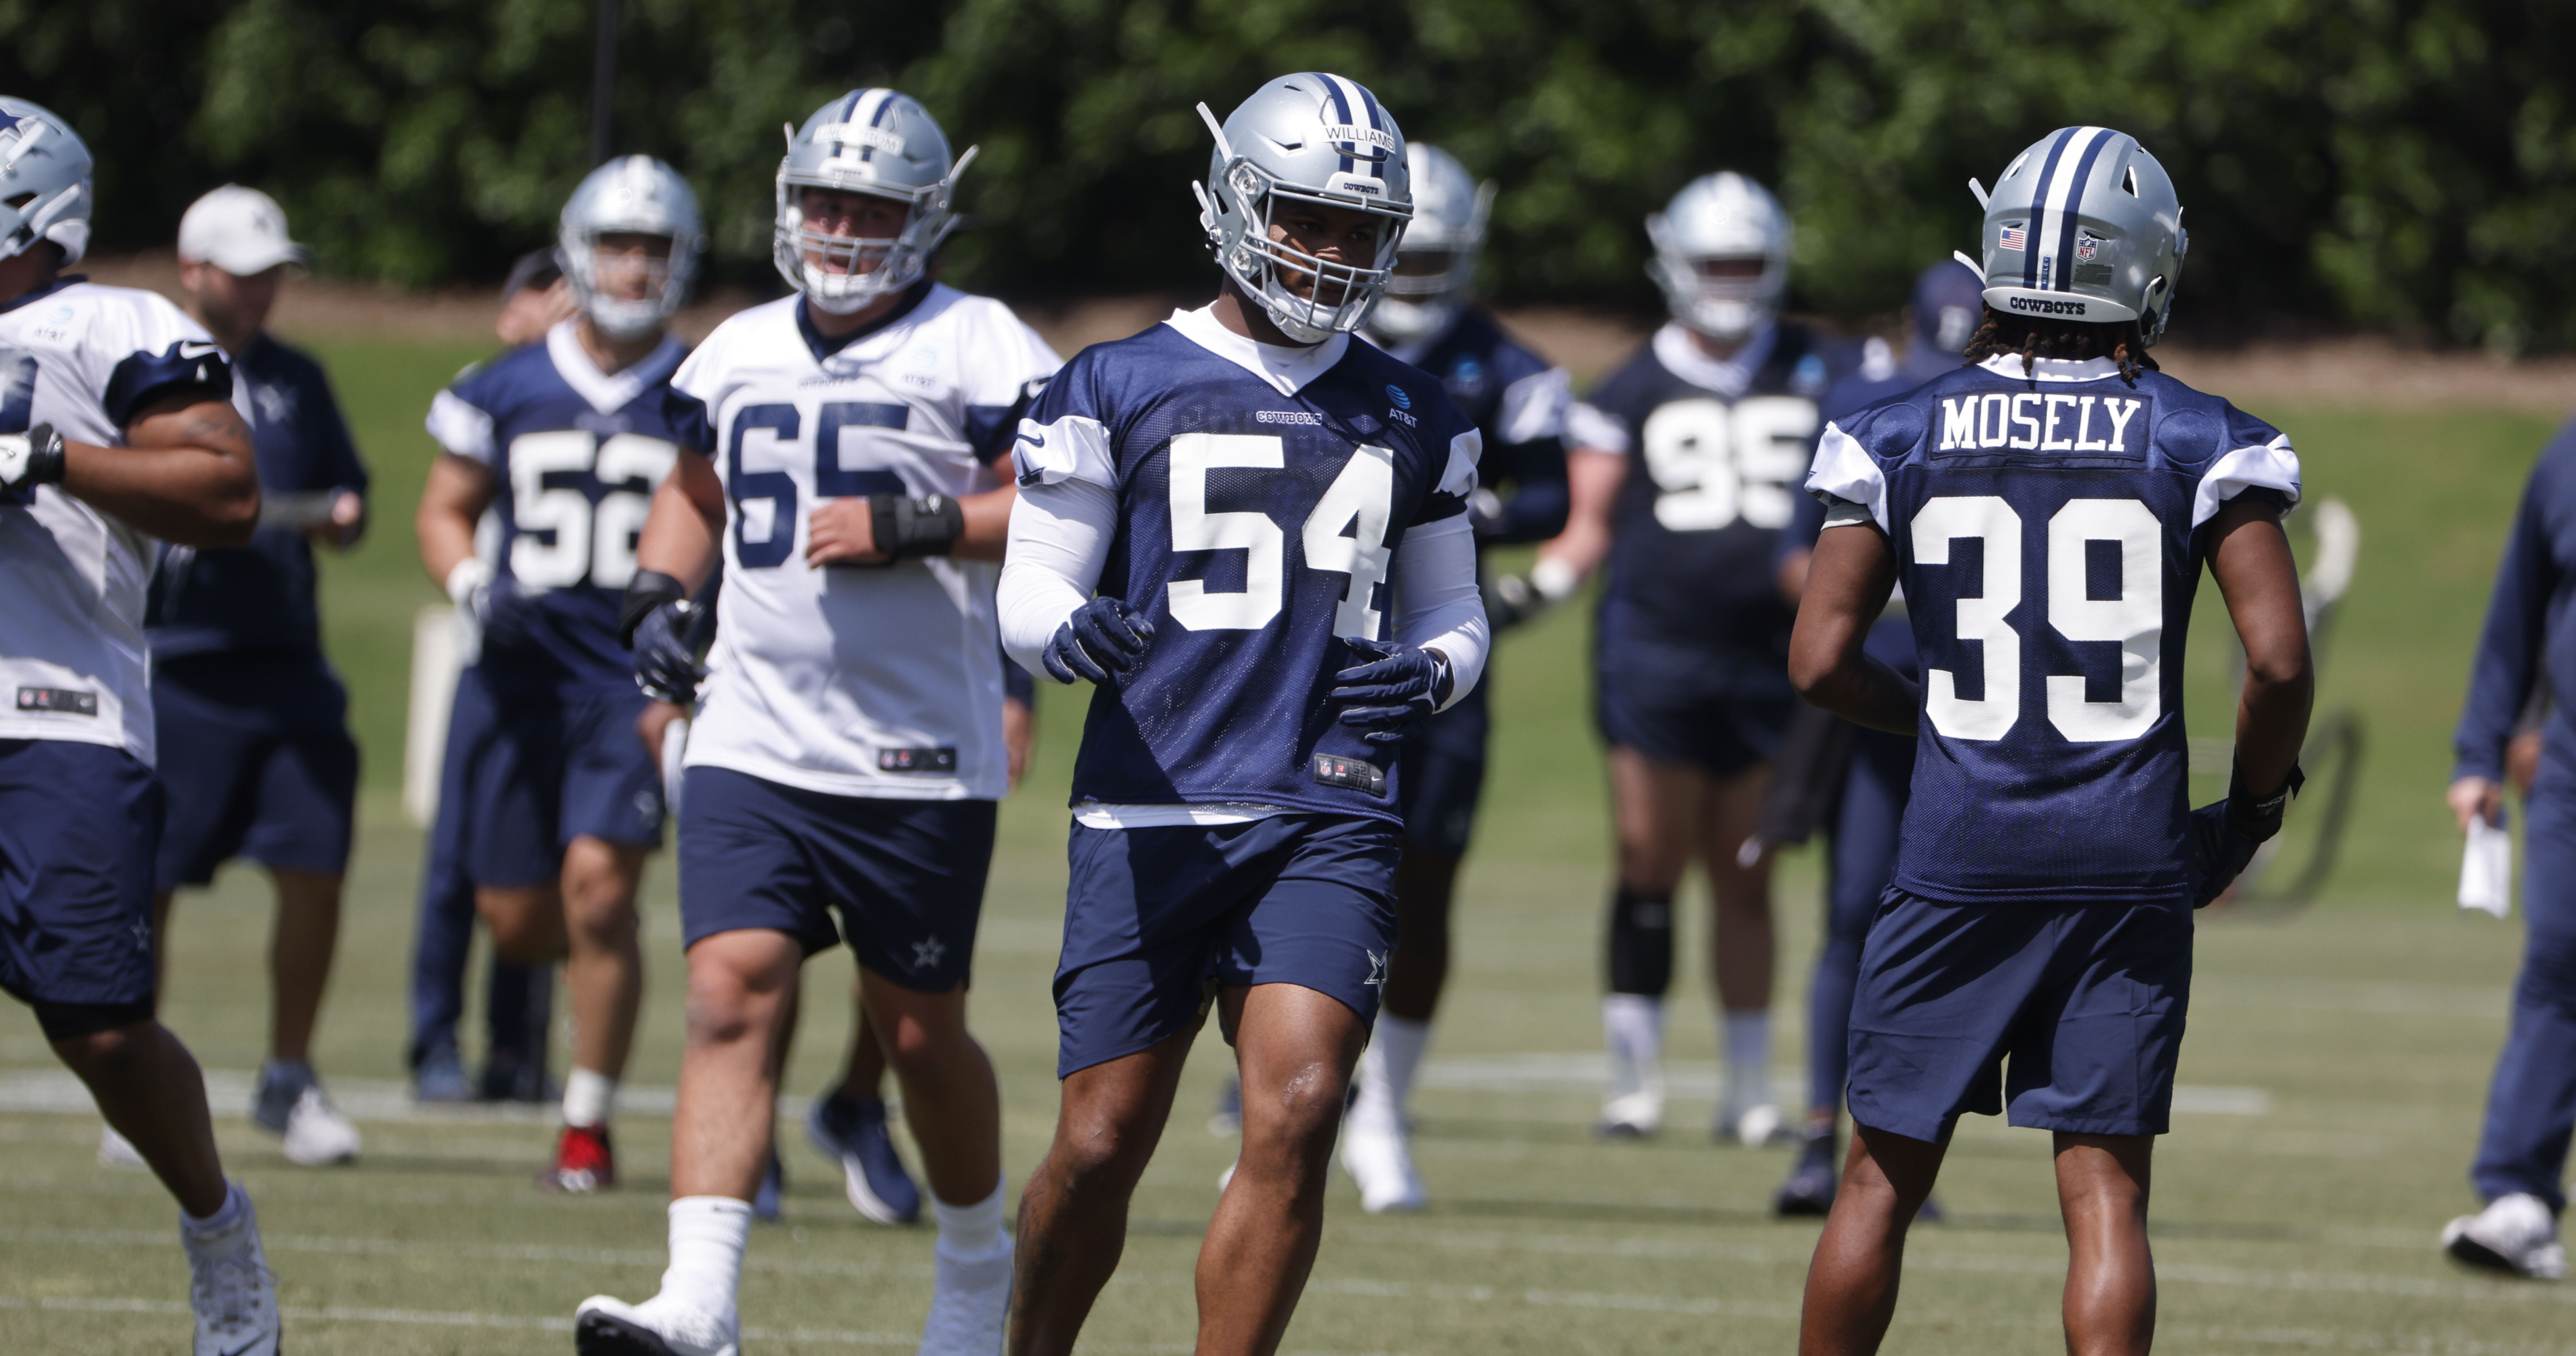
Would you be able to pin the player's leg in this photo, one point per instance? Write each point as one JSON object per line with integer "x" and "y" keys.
{"x": 1655, "y": 807}
{"x": 1296, "y": 1048}
{"x": 1073, "y": 1210}
{"x": 604, "y": 970}
{"x": 1743, "y": 951}
{"x": 1377, "y": 1134}
{"x": 443, "y": 927}
{"x": 1851, "y": 1284}
{"x": 306, "y": 799}
{"x": 847, "y": 1124}
{"x": 1862, "y": 857}
{"x": 954, "y": 1106}
{"x": 2102, "y": 1186}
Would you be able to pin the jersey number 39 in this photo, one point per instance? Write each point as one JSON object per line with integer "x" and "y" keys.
{"x": 1360, "y": 499}
{"x": 2134, "y": 619}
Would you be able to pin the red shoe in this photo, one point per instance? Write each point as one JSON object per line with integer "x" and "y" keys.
{"x": 584, "y": 1162}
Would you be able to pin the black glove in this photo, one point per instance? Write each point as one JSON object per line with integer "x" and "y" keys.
{"x": 666, "y": 659}
{"x": 904, "y": 527}
{"x": 2225, "y": 834}
{"x": 1509, "y": 601}
{"x": 1101, "y": 638}
{"x": 1393, "y": 693}
{"x": 646, "y": 593}
{"x": 30, "y": 459}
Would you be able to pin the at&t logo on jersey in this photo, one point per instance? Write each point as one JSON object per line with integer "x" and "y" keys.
{"x": 2036, "y": 421}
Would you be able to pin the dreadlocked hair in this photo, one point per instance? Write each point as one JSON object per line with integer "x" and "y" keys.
{"x": 2032, "y": 337}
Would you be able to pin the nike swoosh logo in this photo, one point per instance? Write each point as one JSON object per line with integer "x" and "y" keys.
{"x": 1033, "y": 439}
{"x": 190, "y": 348}
{"x": 237, "y": 1351}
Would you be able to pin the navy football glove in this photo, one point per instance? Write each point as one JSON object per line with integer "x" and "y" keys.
{"x": 2224, "y": 835}
{"x": 30, "y": 459}
{"x": 1101, "y": 638}
{"x": 666, "y": 659}
{"x": 1393, "y": 694}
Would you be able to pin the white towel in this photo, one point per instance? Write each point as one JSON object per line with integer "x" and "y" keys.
{"x": 2486, "y": 868}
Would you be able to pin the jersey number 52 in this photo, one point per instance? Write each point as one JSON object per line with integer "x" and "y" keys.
{"x": 591, "y": 541}
{"x": 1360, "y": 499}
{"x": 2134, "y": 619}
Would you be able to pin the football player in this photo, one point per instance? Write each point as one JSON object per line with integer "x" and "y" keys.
{"x": 1250, "y": 534}
{"x": 1683, "y": 473}
{"x": 117, "y": 427}
{"x": 1876, "y": 769}
{"x": 256, "y": 758}
{"x": 2048, "y": 510}
{"x": 563, "y": 442}
{"x": 1517, "y": 402}
{"x": 848, "y": 752}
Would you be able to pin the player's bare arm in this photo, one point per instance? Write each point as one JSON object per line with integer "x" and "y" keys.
{"x": 683, "y": 531}
{"x": 2250, "y": 559}
{"x": 451, "y": 503}
{"x": 844, "y": 531}
{"x": 1848, "y": 580}
{"x": 1592, "y": 480}
{"x": 185, "y": 475}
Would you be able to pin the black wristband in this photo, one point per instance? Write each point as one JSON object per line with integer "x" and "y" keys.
{"x": 2259, "y": 819}
{"x": 44, "y": 456}
{"x": 648, "y": 590}
{"x": 923, "y": 526}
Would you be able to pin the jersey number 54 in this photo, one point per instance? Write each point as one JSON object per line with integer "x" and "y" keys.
{"x": 1360, "y": 499}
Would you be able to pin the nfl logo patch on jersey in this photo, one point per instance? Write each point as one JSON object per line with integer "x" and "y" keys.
{"x": 1332, "y": 770}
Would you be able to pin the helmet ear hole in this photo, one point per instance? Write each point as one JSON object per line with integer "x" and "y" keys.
{"x": 2130, "y": 181}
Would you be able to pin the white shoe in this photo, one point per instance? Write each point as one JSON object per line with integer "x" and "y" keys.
{"x": 1754, "y": 1126}
{"x": 969, "y": 1301}
{"x": 317, "y": 1134}
{"x": 1377, "y": 1157}
{"x": 116, "y": 1151}
{"x": 658, "y": 1327}
{"x": 2515, "y": 1234}
{"x": 230, "y": 1289}
{"x": 1635, "y": 1115}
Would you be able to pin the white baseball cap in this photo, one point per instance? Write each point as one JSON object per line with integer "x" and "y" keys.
{"x": 239, "y": 230}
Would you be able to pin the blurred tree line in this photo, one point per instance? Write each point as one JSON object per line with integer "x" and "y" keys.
{"x": 2401, "y": 164}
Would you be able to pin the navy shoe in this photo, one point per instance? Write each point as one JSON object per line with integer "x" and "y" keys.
{"x": 853, "y": 1133}
{"x": 1809, "y": 1188}
{"x": 440, "y": 1077}
{"x": 773, "y": 1184}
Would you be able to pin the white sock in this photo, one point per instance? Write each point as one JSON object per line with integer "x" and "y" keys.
{"x": 1633, "y": 1026}
{"x": 970, "y": 1230}
{"x": 1386, "y": 1071}
{"x": 587, "y": 1096}
{"x": 236, "y": 1204}
{"x": 707, "y": 1238}
{"x": 1747, "y": 1037}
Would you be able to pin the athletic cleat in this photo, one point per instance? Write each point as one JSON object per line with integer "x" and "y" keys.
{"x": 440, "y": 1077}
{"x": 2516, "y": 1234}
{"x": 765, "y": 1206}
{"x": 584, "y": 1161}
{"x": 968, "y": 1302}
{"x": 507, "y": 1077}
{"x": 608, "y": 1327}
{"x": 853, "y": 1132}
{"x": 1636, "y": 1115}
{"x": 230, "y": 1289}
{"x": 1754, "y": 1127}
{"x": 1809, "y": 1189}
{"x": 116, "y": 1151}
{"x": 1227, "y": 1120}
{"x": 1378, "y": 1158}
{"x": 290, "y": 1102}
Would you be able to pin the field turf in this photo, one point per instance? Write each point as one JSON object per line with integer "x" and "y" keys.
{"x": 2337, "y": 1061}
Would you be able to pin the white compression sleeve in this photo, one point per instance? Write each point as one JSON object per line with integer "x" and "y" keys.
{"x": 1440, "y": 607}
{"x": 1060, "y": 536}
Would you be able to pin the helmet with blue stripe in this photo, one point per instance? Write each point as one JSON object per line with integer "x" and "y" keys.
{"x": 878, "y": 142}
{"x": 1723, "y": 217}
{"x": 1437, "y": 270}
{"x": 45, "y": 189}
{"x": 632, "y": 195}
{"x": 1312, "y": 138}
{"x": 2084, "y": 226}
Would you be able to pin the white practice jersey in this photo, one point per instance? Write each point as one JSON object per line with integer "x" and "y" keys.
{"x": 853, "y": 680}
{"x": 84, "y": 359}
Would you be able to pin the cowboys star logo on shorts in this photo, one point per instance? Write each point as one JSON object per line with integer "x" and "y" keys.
{"x": 927, "y": 952}
{"x": 1377, "y": 971}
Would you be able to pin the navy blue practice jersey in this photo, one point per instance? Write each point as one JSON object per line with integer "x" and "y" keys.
{"x": 575, "y": 456}
{"x": 1517, "y": 401}
{"x": 1256, "y": 528}
{"x": 1713, "y": 479}
{"x": 2048, "y": 533}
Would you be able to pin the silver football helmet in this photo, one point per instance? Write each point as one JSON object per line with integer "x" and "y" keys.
{"x": 872, "y": 141}
{"x": 1449, "y": 211}
{"x": 1313, "y": 138}
{"x": 2084, "y": 225}
{"x": 636, "y": 195}
{"x": 1714, "y": 217}
{"x": 45, "y": 191}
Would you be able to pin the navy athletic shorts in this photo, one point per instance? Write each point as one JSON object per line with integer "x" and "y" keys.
{"x": 907, "y": 875}
{"x": 255, "y": 761}
{"x": 2066, "y": 1017}
{"x": 80, "y": 825}
{"x": 1671, "y": 718}
{"x": 547, "y": 767}
{"x": 1440, "y": 776}
{"x": 1156, "y": 920}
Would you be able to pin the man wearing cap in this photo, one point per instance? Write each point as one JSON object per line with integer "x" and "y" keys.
{"x": 256, "y": 758}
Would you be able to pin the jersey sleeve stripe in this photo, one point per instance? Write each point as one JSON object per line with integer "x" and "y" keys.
{"x": 2266, "y": 466}
{"x": 460, "y": 428}
{"x": 1844, "y": 470}
{"x": 142, "y": 376}
{"x": 1074, "y": 447}
{"x": 1587, "y": 426}
{"x": 1534, "y": 407}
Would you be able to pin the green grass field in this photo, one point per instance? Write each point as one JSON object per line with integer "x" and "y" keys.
{"x": 2336, "y": 1067}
